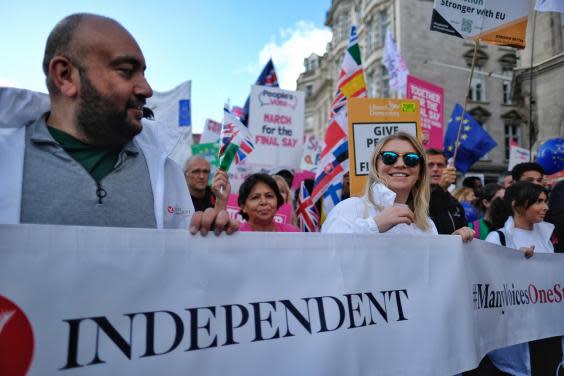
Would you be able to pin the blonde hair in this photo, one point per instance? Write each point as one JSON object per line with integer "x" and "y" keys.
{"x": 462, "y": 193}
{"x": 281, "y": 181}
{"x": 418, "y": 200}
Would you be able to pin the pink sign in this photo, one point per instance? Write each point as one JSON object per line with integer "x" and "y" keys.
{"x": 431, "y": 98}
{"x": 283, "y": 215}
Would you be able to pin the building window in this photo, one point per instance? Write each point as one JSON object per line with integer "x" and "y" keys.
{"x": 384, "y": 24}
{"x": 337, "y": 29}
{"x": 507, "y": 86}
{"x": 477, "y": 91}
{"x": 309, "y": 91}
{"x": 511, "y": 133}
{"x": 384, "y": 83}
{"x": 372, "y": 85}
{"x": 372, "y": 36}
{"x": 346, "y": 24}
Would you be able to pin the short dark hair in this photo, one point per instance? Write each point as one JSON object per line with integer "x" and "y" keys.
{"x": 521, "y": 168}
{"x": 249, "y": 184}
{"x": 523, "y": 193}
{"x": 433, "y": 151}
{"x": 286, "y": 175}
{"x": 58, "y": 43}
{"x": 488, "y": 193}
{"x": 469, "y": 181}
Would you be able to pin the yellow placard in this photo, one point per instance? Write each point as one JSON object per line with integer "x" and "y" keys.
{"x": 369, "y": 120}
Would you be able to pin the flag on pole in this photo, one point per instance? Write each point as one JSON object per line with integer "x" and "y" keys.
{"x": 235, "y": 141}
{"x": 550, "y": 6}
{"x": 266, "y": 78}
{"x": 334, "y": 162}
{"x": 474, "y": 142}
{"x": 308, "y": 218}
{"x": 397, "y": 69}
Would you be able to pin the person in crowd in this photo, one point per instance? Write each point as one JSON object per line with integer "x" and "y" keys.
{"x": 507, "y": 180}
{"x": 287, "y": 175}
{"x": 346, "y": 192}
{"x": 197, "y": 173}
{"x": 483, "y": 226}
{"x": 556, "y": 214}
{"x": 474, "y": 183}
{"x": 396, "y": 194}
{"x": 286, "y": 195}
{"x": 93, "y": 140}
{"x": 259, "y": 199}
{"x": 445, "y": 211}
{"x": 528, "y": 171}
{"x": 525, "y": 205}
{"x": 466, "y": 197}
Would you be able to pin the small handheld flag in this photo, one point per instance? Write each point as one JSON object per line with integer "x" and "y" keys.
{"x": 235, "y": 141}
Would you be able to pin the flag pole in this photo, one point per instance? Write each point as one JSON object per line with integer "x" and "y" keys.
{"x": 457, "y": 143}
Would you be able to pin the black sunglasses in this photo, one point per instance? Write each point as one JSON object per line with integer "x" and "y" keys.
{"x": 391, "y": 157}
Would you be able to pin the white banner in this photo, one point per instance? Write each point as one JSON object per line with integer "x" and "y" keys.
{"x": 276, "y": 120}
{"x": 211, "y": 132}
{"x": 91, "y": 301}
{"x": 173, "y": 109}
{"x": 517, "y": 155}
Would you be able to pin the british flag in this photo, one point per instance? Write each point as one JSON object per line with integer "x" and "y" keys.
{"x": 266, "y": 78}
{"x": 245, "y": 148}
{"x": 308, "y": 217}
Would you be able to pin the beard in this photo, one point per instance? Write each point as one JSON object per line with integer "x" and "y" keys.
{"x": 101, "y": 120}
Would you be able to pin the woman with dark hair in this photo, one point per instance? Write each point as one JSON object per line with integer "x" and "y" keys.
{"x": 524, "y": 207}
{"x": 259, "y": 199}
{"x": 483, "y": 226}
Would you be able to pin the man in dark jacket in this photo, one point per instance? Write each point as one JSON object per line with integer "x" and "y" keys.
{"x": 445, "y": 211}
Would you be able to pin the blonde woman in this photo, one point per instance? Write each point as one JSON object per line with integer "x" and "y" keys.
{"x": 396, "y": 198}
{"x": 286, "y": 195}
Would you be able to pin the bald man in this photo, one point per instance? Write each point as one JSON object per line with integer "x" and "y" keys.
{"x": 89, "y": 161}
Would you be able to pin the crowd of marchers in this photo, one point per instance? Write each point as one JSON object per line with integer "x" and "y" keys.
{"x": 86, "y": 160}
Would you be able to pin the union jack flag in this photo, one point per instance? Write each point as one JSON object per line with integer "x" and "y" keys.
{"x": 308, "y": 218}
{"x": 228, "y": 133}
{"x": 266, "y": 78}
{"x": 245, "y": 148}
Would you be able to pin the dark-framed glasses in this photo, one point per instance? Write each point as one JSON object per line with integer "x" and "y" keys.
{"x": 410, "y": 159}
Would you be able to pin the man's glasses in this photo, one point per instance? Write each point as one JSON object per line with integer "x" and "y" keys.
{"x": 391, "y": 157}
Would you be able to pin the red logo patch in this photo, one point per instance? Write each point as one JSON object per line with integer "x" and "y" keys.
{"x": 170, "y": 210}
{"x": 16, "y": 339}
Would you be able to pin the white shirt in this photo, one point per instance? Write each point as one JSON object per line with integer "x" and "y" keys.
{"x": 356, "y": 215}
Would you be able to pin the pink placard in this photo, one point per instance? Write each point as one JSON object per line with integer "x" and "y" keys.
{"x": 431, "y": 98}
{"x": 283, "y": 215}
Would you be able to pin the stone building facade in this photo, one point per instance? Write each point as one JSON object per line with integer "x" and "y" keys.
{"x": 434, "y": 57}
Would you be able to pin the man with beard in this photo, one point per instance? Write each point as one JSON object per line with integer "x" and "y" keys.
{"x": 87, "y": 161}
{"x": 445, "y": 211}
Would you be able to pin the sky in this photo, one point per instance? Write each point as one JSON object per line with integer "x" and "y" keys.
{"x": 220, "y": 45}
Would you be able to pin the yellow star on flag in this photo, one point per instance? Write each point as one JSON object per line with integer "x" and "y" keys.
{"x": 464, "y": 136}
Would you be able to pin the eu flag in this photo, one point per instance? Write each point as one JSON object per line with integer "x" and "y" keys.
{"x": 474, "y": 141}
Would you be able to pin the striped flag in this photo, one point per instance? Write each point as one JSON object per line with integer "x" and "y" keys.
{"x": 308, "y": 218}
{"x": 235, "y": 141}
{"x": 334, "y": 159}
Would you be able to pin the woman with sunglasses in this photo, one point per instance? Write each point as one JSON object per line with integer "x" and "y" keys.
{"x": 396, "y": 199}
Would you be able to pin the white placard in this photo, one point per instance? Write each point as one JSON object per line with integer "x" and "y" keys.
{"x": 276, "y": 121}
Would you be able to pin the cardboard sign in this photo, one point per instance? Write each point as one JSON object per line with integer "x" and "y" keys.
{"x": 371, "y": 119}
{"x": 431, "y": 100}
{"x": 501, "y": 22}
